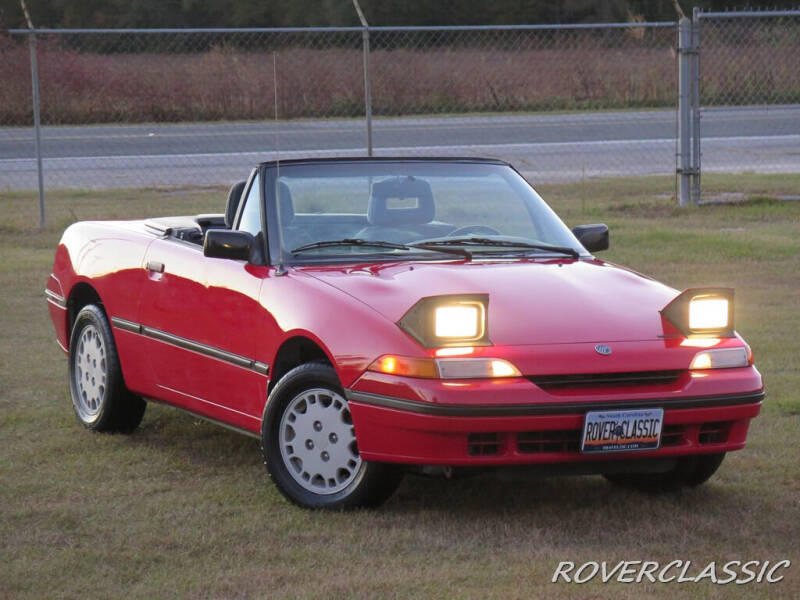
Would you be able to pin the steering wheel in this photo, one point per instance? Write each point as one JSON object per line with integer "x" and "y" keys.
{"x": 484, "y": 229}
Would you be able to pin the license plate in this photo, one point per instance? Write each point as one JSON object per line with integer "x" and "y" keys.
{"x": 622, "y": 430}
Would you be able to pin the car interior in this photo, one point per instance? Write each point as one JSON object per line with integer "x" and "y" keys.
{"x": 391, "y": 217}
{"x": 400, "y": 209}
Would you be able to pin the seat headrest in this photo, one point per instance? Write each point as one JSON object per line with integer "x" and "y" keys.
{"x": 401, "y": 188}
{"x": 286, "y": 204}
{"x": 234, "y": 198}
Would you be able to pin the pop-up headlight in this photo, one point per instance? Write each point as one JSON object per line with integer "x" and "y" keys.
{"x": 703, "y": 311}
{"x": 459, "y": 321}
{"x": 708, "y": 312}
{"x": 446, "y": 321}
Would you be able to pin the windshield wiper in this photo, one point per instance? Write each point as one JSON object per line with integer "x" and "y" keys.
{"x": 351, "y": 242}
{"x": 443, "y": 249}
{"x": 378, "y": 244}
{"x": 476, "y": 241}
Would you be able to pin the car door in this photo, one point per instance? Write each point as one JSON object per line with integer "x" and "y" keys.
{"x": 201, "y": 319}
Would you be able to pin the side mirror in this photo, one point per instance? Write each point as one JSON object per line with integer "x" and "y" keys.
{"x": 226, "y": 243}
{"x": 593, "y": 237}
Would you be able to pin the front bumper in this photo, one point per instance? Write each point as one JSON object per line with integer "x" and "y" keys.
{"x": 414, "y": 431}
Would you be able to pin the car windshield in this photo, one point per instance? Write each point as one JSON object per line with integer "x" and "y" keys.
{"x": 398, "y": 210}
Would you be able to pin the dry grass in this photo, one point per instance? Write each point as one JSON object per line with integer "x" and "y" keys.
{"x": 123, "y": 79}
{"x": 183, "y": 77}
{"x": 572, "y": 72}
{"x": 222, "y": 84}
{"x": 184, "y": 509}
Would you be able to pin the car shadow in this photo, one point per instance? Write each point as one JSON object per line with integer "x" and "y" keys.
{"x": 196, "y": 442}
{"x": 200, "y": 445}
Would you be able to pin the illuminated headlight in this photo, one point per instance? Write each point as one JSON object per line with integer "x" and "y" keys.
{"x": 708, "y": 313}
{"x": 460, "y": 321}
{"x": 703, "y": 312}
{"x": 447, "y": 321}
{"x": 722, "y": 358}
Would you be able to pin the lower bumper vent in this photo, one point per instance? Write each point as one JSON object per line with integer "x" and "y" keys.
{"x": 714, "y": 433}
{"x": 556, "y": 440}
{"x": 483, "y": 444}
{"x": 568, "y": 441}
{"x": 673, "y": 435}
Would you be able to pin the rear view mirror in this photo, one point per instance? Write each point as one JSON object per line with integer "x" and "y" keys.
{"x": 226, "y": 243}
{"x": 593, "y": 237}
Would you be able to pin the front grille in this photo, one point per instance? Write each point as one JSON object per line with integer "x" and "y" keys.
{"x": 555, "y": 440}
{"x": 582, "y": 380}
{"x": 714, "y": 433}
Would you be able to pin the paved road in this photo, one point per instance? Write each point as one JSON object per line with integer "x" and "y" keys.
{"x": 545, "y": 147}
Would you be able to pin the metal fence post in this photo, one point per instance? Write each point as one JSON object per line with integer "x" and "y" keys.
{"x": 367, "y": 78}
{"x": 684, "y": 169}
{"x": 37, "y": 125}
{"x": 367, "y": 91}
{"x": 696, "y": 170}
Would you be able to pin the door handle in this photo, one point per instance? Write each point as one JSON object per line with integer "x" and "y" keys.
{"x": 155, "y": 266}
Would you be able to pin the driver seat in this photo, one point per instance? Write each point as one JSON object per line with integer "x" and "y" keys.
{"x": 401, "y": 225}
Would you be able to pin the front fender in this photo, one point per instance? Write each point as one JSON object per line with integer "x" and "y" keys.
{"x": 351, "y": 333}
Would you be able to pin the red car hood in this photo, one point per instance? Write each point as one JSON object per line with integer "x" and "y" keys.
{"x": 530, "y": 302}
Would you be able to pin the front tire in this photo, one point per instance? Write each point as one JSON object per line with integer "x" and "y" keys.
{"x": 99, "y": 396}
{"x": 310, "y": 448}
{"x": 690, "y": 471}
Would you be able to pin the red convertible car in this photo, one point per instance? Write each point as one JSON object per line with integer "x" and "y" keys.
{"x": 367, "y": 317}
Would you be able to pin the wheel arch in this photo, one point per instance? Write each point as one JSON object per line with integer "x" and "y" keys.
{"x": 82, "y": 294}
{"x": 295, "y": 351}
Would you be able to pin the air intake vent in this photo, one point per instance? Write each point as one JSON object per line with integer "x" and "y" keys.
{"x": 672, "y": 435}
{"x": 714, "y": 433}
{"x": 582, "y": 380}
{"x": 556, "y": 440}
{"x": 483, "y": 444}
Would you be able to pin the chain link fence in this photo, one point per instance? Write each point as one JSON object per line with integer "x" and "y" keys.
{"x": 749, "y": 91}
{"x": 181, "y": 107}
{"x": 560, "y": 102}
{"x": 124, "y": 109}
{"x": 17, "y": 145}
{"x": 132, "y": 108}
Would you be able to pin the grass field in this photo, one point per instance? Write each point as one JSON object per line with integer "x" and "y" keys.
{"x": 183, "y": 508}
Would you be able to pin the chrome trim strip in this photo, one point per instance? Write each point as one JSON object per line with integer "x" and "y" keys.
{"x": 548, "y": 408}
{"x": 187, "y": 344}
{"x": 51, "y": 296}
{"x": 126, "y": 325}
{"x": 260, "y": 367}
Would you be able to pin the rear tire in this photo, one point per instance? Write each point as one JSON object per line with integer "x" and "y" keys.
{"x": 690, "y": 471}
{"x": 99, "y": 396}
{"x": 310, "y": 449}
